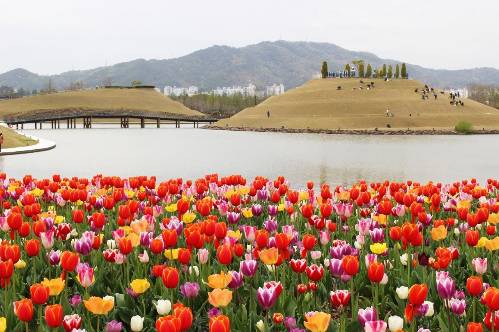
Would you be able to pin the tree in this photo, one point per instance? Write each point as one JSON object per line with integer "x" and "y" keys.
{"x": 397, "y": 71}
{"x": 390, "y": 71}
{"x": 369, "y": 71}
{"x": 403, "y": 71}
{"x": 324, "y": 70}
{"x": 383, "y": 71}
{"x": 347, "y": 69}
{"x": 375, "y": 73}
{"x": 361, "y": 70}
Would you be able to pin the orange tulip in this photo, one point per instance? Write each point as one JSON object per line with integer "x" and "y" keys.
{"x": 220, "y": 323}
{"x": 221, "y": 280}
{"x": 99, "y": 305}
{"x": 269, "y": 256}
{"x": 220, "y": 297}
{"x": 439, "y": 233}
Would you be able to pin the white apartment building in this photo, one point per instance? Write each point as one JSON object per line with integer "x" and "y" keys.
{"x": 249, "y": 90}
{"x": 178, "y": 91}
{"x": 274, "y": 90}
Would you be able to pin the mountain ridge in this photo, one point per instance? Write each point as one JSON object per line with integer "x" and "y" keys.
{"x": 264, "y": 63}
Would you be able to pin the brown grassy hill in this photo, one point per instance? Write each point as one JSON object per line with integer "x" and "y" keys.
{"x": 115, "y": 99}
{"x": 318, "y": 104}
{"x": 13, "y": 139}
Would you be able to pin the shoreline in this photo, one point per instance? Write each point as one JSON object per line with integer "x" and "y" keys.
{"x": 356, "y": 131}
{"x": 42, "y": 145}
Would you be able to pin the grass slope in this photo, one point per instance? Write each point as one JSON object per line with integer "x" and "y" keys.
{"x": 13, "y": 139}
{"x": 319, "y": 105}
{"x": 143, "y": 100}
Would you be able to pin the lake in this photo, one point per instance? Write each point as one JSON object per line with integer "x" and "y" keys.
{"x": 192, "y": 153}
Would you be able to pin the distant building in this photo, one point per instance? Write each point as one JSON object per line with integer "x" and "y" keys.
{"x": 178, "y": 91}
{"x": 249, "y": 90}
{"x": 274, "y": 90}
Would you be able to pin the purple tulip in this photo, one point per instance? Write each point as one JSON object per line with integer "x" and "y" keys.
{"x": 213, "y": 312}
{"x": 248, "y": 267}
{"x": 237, "y": 280}
{"x": 145, "y": 238}
{"x": 83, "y": 246}
{"x": 114, "y": 326}
{"x": 54, "y": 257}
{"x": 270, "y": 225}
{"x": 273, "y": 210}
{"x": 290, "y": 323}
{"x": 75, "y": 300}
{"x": 267, "y": 297}
{"x": 446, "y": 286}
{"x": 377, "y": 235}
{"x": 189, "y": 289}
{"x": 368, "y": 314}
{"x": 262, "y": 194}
{"x": 457, "y": 306}
{"x": 233, "y": 217}
{"x": 335, "y": 267}
{"x": 256, "y": 209}
{"x": 375, "y": 326}
{"x": 249, "y": 232}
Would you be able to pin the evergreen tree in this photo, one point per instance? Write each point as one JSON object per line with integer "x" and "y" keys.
{"x": 361, "y": 70}
{"x": 383, "y": 71}
{"x": 390, "y": 71}
{"x": 403, "y": 71}
{"x": 347, "y": 69}
{"x": 324, "y": 70}
{"x": 369, "y": 71}
{"x": 397, "y": 71}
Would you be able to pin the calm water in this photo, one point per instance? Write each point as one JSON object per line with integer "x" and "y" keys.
{"x": 191, "y": 153}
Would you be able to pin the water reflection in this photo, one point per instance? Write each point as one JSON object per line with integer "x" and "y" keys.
{"x": 191, "y": 153}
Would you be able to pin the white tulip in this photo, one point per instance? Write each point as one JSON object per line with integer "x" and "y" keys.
{"x": 111, "y": 244}
{"x": 384, "y": 281}
{"x": 109, "y": 298}
{"x": 194, "y": 270}
{"x": 402, "y": 292}
{"x": 395, "y": 323}
{"x": 403, "y": 259}
{"x": 137, "y": 323}
{"x": 260, "y": 325}
{"x": 430, "y": 311}
{"x": 163, "y": 307}
{"x": 456, "y": 231}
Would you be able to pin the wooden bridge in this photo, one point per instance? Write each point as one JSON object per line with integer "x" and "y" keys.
{"x": 87, "y": 119}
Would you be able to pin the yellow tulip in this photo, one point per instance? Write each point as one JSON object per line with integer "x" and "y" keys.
{"x": 482, "y": 242}
{"x": 269, "y": 256}
{"x": 317, "y": 321}
{"x": 236, "y": 235}
{"x": 140, "y": 286}
{"x": 171, "y": 254}
{"x": 493, "y": 218}
{"x": 3, "y": 324}
{"x": 171, "y": 208}
{"x": 303, "y": 195}
{"x": 244, "y": 190}
{"x": 493, "y": 244}
{"x": 221, "y": 280}
{"x": 220, "y": 297}
{"x": 188, "y": 217}
{"x": 380, "y": 218}
{"x": 139, "y": 226}
{"x": 56, "y": 286}
{"x": 247, "y": 213}
{"x": 134, "y": 239}
{"x": 19, "y": 265}
{"x": 99, "y": 305}
{"x": 378, "y": 248}
{"x": 464, "y": 204}
{"x": 280, "y": 207}
{"x": 439, "y": 233}
{"x": 343, "y": 196}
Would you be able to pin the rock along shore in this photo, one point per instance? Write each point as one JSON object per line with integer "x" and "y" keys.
{"x": 374, "y": 131}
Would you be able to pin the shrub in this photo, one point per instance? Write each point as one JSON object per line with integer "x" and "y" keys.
{"x": 464, "y": 127}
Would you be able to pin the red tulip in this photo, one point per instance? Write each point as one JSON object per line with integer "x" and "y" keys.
{"x": 169, "y": 238}
{"x": 224, "y": 254}
{"x": 170, "y": 277}
{"x": 474, "y": 286}
{"x": 340, "y": 298}
{"x": 53, "y": 315}
{"x": 314, "y": 272}
{"x": 350, "y": 265}
{"x": 220, "y": 323}
{"x": 69, "y": 260}
{"x": 472, "y": 237}
{"x": 185, "y": 315}
{"x": 125, "y": 245}
{"x": 417, "y": 294}
{"x": 39, "y": 293}
{"x": 308, "y": 241}
{"x": 32, "y": 247}
{"x": 375, "y": 272}
{"x": 168, "y": 323}
{"x": 23, "y": 309}
{"x": 474, "y": 327}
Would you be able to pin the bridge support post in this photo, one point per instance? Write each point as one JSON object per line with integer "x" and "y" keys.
{"x": 17, "y": 126}
{"x": 36, "y": 125}
{"x": 142, "y": 123}
{"x": 41, "y": 122}
{"x": 158, "y": 123}
{"x": 58, "y": 124}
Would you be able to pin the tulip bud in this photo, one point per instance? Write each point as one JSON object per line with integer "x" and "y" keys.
{"x": 111, "y": 244}
{"x": 194, "y": 270}
{"x": 137, "y": 323}
{"x": 163, "y": 307}
{"x": 403, "y": 259}
{"x": 430, "y": 311}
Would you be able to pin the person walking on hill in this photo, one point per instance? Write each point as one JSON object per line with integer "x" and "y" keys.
{"x": 1, "y": 141}
{"x": 268, "y": 114}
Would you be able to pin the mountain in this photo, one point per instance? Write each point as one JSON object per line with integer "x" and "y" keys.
{"x": 290, "y": 63}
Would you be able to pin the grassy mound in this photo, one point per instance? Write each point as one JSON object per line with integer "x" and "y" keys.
{"x": 13, "y": 139}
{"x": 320, "y": 104}
{"x": 138, "y": 100}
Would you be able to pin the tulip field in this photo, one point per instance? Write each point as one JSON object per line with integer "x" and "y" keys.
{"x": 228, "y": 253}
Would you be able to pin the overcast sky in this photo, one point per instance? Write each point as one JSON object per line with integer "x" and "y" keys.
{"x": 54, "y": 36}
